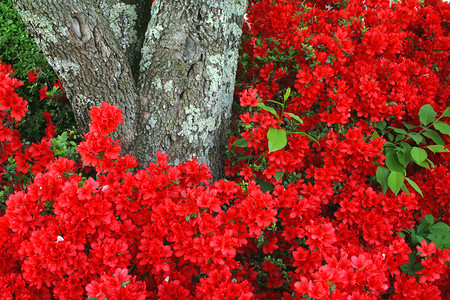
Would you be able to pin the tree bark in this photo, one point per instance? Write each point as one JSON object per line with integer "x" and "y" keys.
{"x": 171, "y": 72}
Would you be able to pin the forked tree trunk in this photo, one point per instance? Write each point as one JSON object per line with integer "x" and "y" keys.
{"x": 170, "y": 66}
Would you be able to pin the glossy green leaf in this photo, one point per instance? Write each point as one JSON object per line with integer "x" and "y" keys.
{"x": 375, "y": 135}
{"x": 427, "y": 114}
{"x": 278, "y": 175}
{"x": 295, "y": 117}
{"x": 287, "y": 94}
{"x": 414, "y": 186}
{"x": 404, "y": 156}
{"x": 434, "y": 136}
{"x": 242, "y": 143}
{"x": 418, "y": 155}
{"x": 302, "y": 133}
{"x": 279, "y": 103}
{"x": 437, "y": 148}
{"x": 395, "y": 181}
{"x": 398, "y": 130}
{"x": 405, "y": 189}
{"x": 442, "y": 127}
{"x": 425, "y": 164}
{"x": 392, "y": 161}
{"x": 409, "y": 126}
{"x": 382, "y": 178}
{"x": 277, "y": 139}
{"x": 431, "y": 163}
{"x": 267, "y": 108}
{"x": 446, "y": 112}
{"x": 416, "y": 137}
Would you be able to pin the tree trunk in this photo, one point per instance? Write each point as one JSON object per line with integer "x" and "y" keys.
{"x": 171, "y": 72}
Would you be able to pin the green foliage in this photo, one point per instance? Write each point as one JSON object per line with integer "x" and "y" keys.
{"x": 277, "y": 138}
{"x": 16, "y": 46}
{"x": 63, "y": 145}
{"x": 18, "y": 49}
{"x": 410, "y": 145}
{"x": 427, "y": 230}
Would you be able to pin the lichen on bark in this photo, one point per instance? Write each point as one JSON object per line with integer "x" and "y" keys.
{"x": 171, "y": 69}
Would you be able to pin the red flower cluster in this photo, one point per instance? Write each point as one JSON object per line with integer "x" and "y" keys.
{"x": 348, "y": 65}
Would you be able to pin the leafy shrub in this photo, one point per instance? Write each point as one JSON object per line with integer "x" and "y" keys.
{"x": 18, "y": 49}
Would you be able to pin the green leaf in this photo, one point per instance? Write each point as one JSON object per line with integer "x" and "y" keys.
{"x": 446, "y": 112}
{"x": 437, "y": 148}
{"x": 427, "y": 114}
{"x": 302, "y": 133}
{"x": 392, "y": 161}
{"x": 436, "y": 239}
{"x": 279, "y": 103}
{"x": 414, "y": 186}
{"x": 434, "y": 136}
{"x": 395, "y": 181}
{"x": 375, "y": 135}
{"x": 124, "y": 284}
{"x": 382, "y": 178}
{"x": 416, "y": 239}
{"x": 295, "y": 117}
{"x": 264, "y": 185}
{"x": 380, "y": 125}
{"x": 423, "y": 226}
{"x": 446, "y": 242}
{"x": 244, "y": 157}
{"x": 409, "y": 126}
{"x": 418, "y": 155}
{"x": 388, "y": 145}
{"x": 278, "y": 175}
{"x": 431, "y": 163}
{"x": 408, "y": 268}
{"x": 242, "y": 143}
{"x": 442, "y": 127}
{"x": 440, "y": 228}
{"x": 418, "y": 138}
{"x": 267, "y": 108}
{"x": 404, "y": 156}
{"x": 286, "y": 95}
{"x": 398, "y": 130}
{"x": 428, "y": 219}
{"x": 399, "y": 138}
{"x": 405, "y": 189}
{"x": 277, "y": 139}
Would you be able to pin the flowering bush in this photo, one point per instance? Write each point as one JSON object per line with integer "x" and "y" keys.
{"x": 302, "y": 217}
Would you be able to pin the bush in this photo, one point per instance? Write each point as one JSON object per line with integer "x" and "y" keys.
{"x": 332, "y": 94}
{"x": 18, "y": 49}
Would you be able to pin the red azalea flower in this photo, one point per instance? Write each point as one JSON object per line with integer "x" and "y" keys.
{"x": 248, "y": 97}
{"x": 58, "y": 84}
{"x": 43, "y": 92}
{"x": 32, "y": 76}
{"x": 426, "y": 249}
